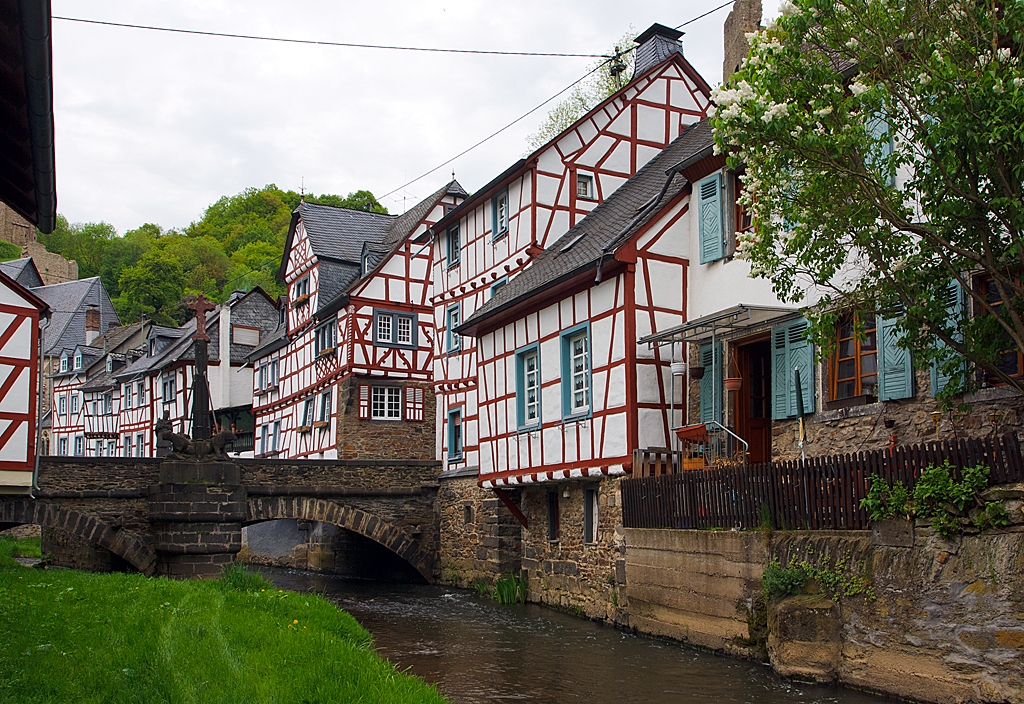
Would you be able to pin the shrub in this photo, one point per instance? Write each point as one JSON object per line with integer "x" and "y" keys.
{"x": 886, "y": 500}
{"x": 778, "y": 581}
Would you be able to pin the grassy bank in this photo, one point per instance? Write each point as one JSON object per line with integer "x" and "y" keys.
{"x": 73, "y": 636}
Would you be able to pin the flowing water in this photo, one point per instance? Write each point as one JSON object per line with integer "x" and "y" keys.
{"x": 476, "y": 650}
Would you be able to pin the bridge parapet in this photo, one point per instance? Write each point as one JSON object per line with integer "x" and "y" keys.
{"x": 331, "y": 474}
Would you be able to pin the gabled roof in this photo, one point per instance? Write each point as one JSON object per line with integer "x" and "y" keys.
{"x": 67, "y": 303}
{"x": 30, "y": 297}
{"x": 23, "y": 271}
{"x": 605, "y": 229}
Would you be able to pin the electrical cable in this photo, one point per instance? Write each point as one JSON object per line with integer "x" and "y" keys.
{"x": 700, "y": 17}
{"x": 314, "y": 42}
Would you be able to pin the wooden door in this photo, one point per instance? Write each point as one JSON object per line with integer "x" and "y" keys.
{"x": 754, "y": 412}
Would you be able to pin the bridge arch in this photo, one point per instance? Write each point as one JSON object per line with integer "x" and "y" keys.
{"x": 356, "y": 520}
{"x": 121, "y": 543}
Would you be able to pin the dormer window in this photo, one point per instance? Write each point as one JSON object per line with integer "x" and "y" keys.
{"x": 63, "y": 364}
{"x": 152, "y": 347}
{"x": 584, "y": 187}
{"x": 110, "y": 365}
{"x": 78, "y": 360}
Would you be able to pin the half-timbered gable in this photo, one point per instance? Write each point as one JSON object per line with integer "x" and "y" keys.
{"x": 357, "y": 349}
{"x": 500, "y": 231}
{"x": 564, "y": 390}
{"x": 20, "y": 313}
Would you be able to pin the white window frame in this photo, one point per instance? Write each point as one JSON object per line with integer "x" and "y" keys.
{"x": 324, "y": 338}
{"x": 62, "y": 447}
{"x": 78, "y": 360}
{"x": 386, "y": 403}
{"x": 384, "y": 328}
{"x": 140, "y": 444}
{"x": 62, "y": 405}
{"x": 79, "y": 446}
{"x": 585, "y": 186}
{"x": 128, "y": 446}
{"x": 64, "y": 364}
{"x": 325, "y": 406}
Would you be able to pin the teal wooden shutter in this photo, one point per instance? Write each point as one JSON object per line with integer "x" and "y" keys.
{"x": 712, "y": 235}
{"x": 895, "y": 370}
{"x": 791, "y": 351}
{"x": 711, "y": 384}
{"x": 955, "y": 310}
{"x": 878, "y": 130}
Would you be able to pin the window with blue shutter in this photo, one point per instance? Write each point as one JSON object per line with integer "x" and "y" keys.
{"x": 954, "y": 295}
{"x": 711, "y": 384}
{"x": 896, "y": 379}
{"x": 879, "y": 132}
{"x": 791, "y": 352}
{"x": 712, "y": 224}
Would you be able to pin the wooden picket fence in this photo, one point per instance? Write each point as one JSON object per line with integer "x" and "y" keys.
{"x": 821, "y": 493}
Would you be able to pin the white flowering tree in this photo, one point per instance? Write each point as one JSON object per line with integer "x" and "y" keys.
{"x": 883, "y": 147}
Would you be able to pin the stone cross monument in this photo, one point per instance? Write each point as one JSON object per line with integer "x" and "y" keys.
{"x": 202, "y": 428}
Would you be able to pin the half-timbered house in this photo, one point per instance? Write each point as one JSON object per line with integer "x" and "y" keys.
{"x": 501, "y": 230}
{"x": 20, "y": 315}
{"x": 348, "y": 372}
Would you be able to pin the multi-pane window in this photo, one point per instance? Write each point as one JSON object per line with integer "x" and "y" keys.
{"x": 62, "y": 447}
{"x": 63, "y": 364}
{"x": 79, "y": 446}
{"x": 454, "y": 339}
{"x": 325, "y": 338}
{"x": 386, "y": 403}
{"x": 393, "y": 328}
{"x": 108, "y": 403}
{"x": 269, "y": 437}
{"x": 584, "y": 187}
{"x": 267, "y": 377}
{"x": 169, "y": 385}
{"x": 529, "y": 387}
{"x": 500, "y": 209}
{"x": 74, "y": 402}
{"x": 127, "y": 445}
{"x": 111, "y": 448}
{"x": 140, "y": 392}
{"x": 455, "y": 434}
{"x": 576, "y": 372}
{"x": 325, "y": 407}
{"x": 1010, "y": 360}
{"x": 62, "y": 405}
{"x": 403, "y": 330}
{"x": 140, "y": 445}
{"x": 855, "y": 364}
{"x": 301, "y": 288}
{"x": 78, "y": 360}
{"x": 454, "y": 245}
{"x": 307, "y": 414}
{"x": 744, "y": 218}
{"x": 126, "y": 395}
{"x": 383, "y": 327}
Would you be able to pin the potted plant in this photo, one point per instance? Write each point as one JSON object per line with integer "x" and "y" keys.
{"x": 733, "y": 382}
{"x": 697, "y": 372}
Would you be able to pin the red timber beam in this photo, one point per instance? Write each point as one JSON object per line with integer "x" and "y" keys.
{"x": 511, "y": 506}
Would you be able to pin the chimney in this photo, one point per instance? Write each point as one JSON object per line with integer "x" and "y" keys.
{"x": 744, "y": 17}
{"x": 656, "y": 44}
{"x": 92, "y": 324}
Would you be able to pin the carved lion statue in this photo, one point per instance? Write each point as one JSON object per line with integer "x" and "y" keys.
{"x": 183, "y": 447}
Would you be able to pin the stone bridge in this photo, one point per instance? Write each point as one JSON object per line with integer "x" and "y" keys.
{"x": 190, "y": 526}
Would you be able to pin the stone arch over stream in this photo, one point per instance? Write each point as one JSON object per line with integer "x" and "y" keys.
{"x": 23, "y": 511}
{"x": 356, "y": 520}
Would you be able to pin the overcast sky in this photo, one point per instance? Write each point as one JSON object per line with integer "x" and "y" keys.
{"x": 154, "y": 127}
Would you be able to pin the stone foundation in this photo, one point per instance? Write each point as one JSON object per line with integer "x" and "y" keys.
{"x": 383, "y": 439}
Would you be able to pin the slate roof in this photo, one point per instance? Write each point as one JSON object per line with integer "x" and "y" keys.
{"x": 274, "y": 342}
{"x": 339, "y": 233}
{"x": 23, "y": 271}
{"x": 605, "y": 228}
{"x": 68, "y": 302}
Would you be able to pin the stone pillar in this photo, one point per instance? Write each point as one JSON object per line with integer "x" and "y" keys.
{"x": 196, "y": 513}
{"x": 744, "y": 17}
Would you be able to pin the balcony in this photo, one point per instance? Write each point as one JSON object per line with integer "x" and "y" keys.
{"x": 701, "y": 446}
{"x": 244, "y": 442}
{"x": 102, "y": 426}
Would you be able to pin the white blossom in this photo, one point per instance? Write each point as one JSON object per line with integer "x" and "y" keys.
{"x": 775, "y": 110}
{"x": 857, "y": 88}
{"x": 924, "y": 78}
{"x": 788, "y": 9}
{"x": 1018, "y": 82}
{"x": 822, "y": 112}
{"x": 852, "y": 43}
{"x": 711, "y": 111}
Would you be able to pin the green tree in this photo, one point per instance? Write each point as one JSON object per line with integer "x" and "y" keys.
{"x": 153, "y": 288}
{"x": 202, "y": 259}
{"x": 123, "y": 252}
{"x": 255, "y": 264}
{"x": 884, "y": 155}
{"x": 588, "y": 93}
{"x": 357, "y": 200}
{"x": 85, "y": 243}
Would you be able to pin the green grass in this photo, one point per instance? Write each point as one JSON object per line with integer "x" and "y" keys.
{"x": 23, "y": 547}
{"x": 74, "y": 636}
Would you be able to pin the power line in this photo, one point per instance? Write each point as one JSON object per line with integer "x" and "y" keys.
{"x": 700, "y": 17}
{"x": 326, "y": 43}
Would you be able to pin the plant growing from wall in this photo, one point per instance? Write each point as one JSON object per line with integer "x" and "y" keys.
{"x": 885, "y": 500}
{"x": 510, "y": 589}
{"x": 778, "y": 582}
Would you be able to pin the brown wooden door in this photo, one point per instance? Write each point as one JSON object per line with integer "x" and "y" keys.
{"x": 754, "y": 414}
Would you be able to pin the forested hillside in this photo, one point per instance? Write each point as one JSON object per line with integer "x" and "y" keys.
{"x": 237, "y": 244}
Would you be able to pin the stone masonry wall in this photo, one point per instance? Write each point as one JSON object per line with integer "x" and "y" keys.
{"x": 383, "y": 439}
{"x": 480, "y": 540}
{"x": 946, "y": 623}
{"x": 567, "y": 573}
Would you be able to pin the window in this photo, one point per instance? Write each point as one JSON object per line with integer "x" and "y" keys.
{"x": 98, "y": 452}
{"x": 126, "y": 395}
{"x": 245, "y": 335}
{"x": 855, "y": 363}
{"x": 498, "y": 285}
{"x": 63, "y": 364}
{"x": 454, "y": 246}
{"x": 108, "y": 403}
{"x": 584, "y": 186}
{"x": 499, "y": 210}
{"x": 127, "y": 445}
{"x": 455, "y": 434}
{"x": 792, "y": 358}
{"x": 62, "y": 405}
{"x": 744, "y": 218}
{"x": 528, "y": 387}
{"x": 552, "y": 516}
{"x": 267, "y": 377}
{"x": 275, "y": 436}
{"x": 325, "y": 339}
{"x": 111, "y": 448}
{"x": 325, "y": 407}
{"x": 269, "y": 437}
{"x": 62, "y": 447}
{"x": 110, "y": 364}
{"x": 394, "y": 328}
{"x": 941, "y": 374}
{"x": 590, "y": 495}
{"x": 576, "y": 372}
{"x": 140, "y": 392}
{"x": 300, "y": 293}
{"x": 140, "y": 445}
{"x": 74, "y": 402}
{"x": 386, "y": 403}
{"x": 712, "y": 232}
{"x": 78, "y": 360}
{"x": 454, "y": 340}
{"x": 1010, "y": 360}
{"x": 79, "y": 446}
{"x": 170, "y": 388}
{"x": 306, "y": 423}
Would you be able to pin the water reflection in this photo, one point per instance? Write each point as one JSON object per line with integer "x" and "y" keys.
{"x": 476, "y": 650}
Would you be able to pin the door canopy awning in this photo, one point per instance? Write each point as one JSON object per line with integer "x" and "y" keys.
{"x": 739, "y": 320}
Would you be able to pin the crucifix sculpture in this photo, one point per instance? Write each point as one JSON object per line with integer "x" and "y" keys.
{"x": 202, "y": 426}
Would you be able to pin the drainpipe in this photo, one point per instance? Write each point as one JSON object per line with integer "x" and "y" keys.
{"x": 39, "y": 412}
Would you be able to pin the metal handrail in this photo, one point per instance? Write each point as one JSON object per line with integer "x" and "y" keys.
{"x": 746, "y": 445}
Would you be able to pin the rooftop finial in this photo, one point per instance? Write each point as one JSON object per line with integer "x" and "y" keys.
{"x": 302, "y": 190}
